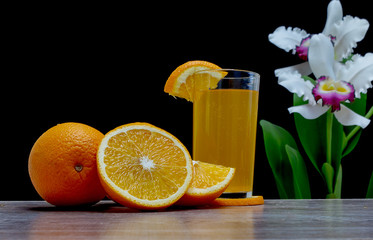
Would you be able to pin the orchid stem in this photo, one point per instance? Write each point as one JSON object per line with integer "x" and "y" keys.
{"x": 370, "y": 112}
{"x": 357, "y": 128}
{"x": 329, "y": 134}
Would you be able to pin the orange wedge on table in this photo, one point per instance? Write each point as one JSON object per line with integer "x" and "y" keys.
{"x": 144, "y": 167}
{"x": 209, "y": 182}
{"x": 252, "y": 201}
{"x": 182, "y": 84}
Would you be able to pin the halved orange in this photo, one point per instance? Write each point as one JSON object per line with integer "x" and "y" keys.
{"x": 142, "y": 166}
{"x": 209, "y": 182}
{"x": 181, "y": 83}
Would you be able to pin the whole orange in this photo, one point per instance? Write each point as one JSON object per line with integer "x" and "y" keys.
{"x": 62, "y": 165}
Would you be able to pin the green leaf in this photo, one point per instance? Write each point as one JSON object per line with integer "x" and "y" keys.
{"x": 275, "y": 140}
{"x": 337, "y": 144}
{"x": 358, "y": 106}
{"x": 370, "y": 188}
{"x": 350, "y": 145}
{"x": 312, "y": 135}
{"x": 349, "y": 58}
{"x": 307, "y": 78}
{"x": 331, "y": 196}
{"x": 300, "y": 176}
{"x": 338, "y": 184}
{"x": 328, "y": 173}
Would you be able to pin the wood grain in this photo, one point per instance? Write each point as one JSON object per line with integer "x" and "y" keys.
{"x": 276, "y": 219}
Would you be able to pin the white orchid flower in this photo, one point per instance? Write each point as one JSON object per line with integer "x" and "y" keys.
{"x": 336, "y": 83}
{"x": 345, "y": 32}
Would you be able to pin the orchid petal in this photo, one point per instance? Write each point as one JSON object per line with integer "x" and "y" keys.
{"x": 309, "y": 111}
{"x": 347, "y": 117}
{"x": 294, "y": 82}
{"x": 287, "y": 38}
{"x": 335, "y": 14}
{"x": 302, "y": 68}
{"x": 358, "y": 72}
{"x": 321, "y": 56}
{"x": 348, "y": 32}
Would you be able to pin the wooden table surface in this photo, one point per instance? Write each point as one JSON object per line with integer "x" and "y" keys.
{"x": 276, "y": 219}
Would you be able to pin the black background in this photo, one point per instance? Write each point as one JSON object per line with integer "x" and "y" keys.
{"x": 106, "y": 65}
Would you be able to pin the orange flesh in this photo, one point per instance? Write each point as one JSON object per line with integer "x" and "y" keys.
{"x": 208, "y": 175}
{"x": 145, "y": 174}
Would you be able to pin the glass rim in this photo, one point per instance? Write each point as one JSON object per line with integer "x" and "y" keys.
{"x": 250, "y": 73}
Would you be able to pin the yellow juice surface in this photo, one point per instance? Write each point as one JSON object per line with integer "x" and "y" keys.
{"x": 224, "y": 132}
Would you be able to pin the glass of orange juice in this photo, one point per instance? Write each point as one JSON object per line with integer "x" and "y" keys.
{"x": 225, "y": 123}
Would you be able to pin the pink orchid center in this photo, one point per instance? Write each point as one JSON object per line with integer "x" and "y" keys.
{"x": 332, "y": 92}
{"x": 302, "y": 50}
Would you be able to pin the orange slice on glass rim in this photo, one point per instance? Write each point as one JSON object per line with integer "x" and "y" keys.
{"x": 209, "y": 182}
{"x": 181, "y": 82}
{"x": 142, "y": 166}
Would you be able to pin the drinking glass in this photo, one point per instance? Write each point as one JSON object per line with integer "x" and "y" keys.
{"x": 225, "y": 123}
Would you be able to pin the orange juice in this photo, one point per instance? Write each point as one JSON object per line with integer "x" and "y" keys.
{"x": 224, "y": 132}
